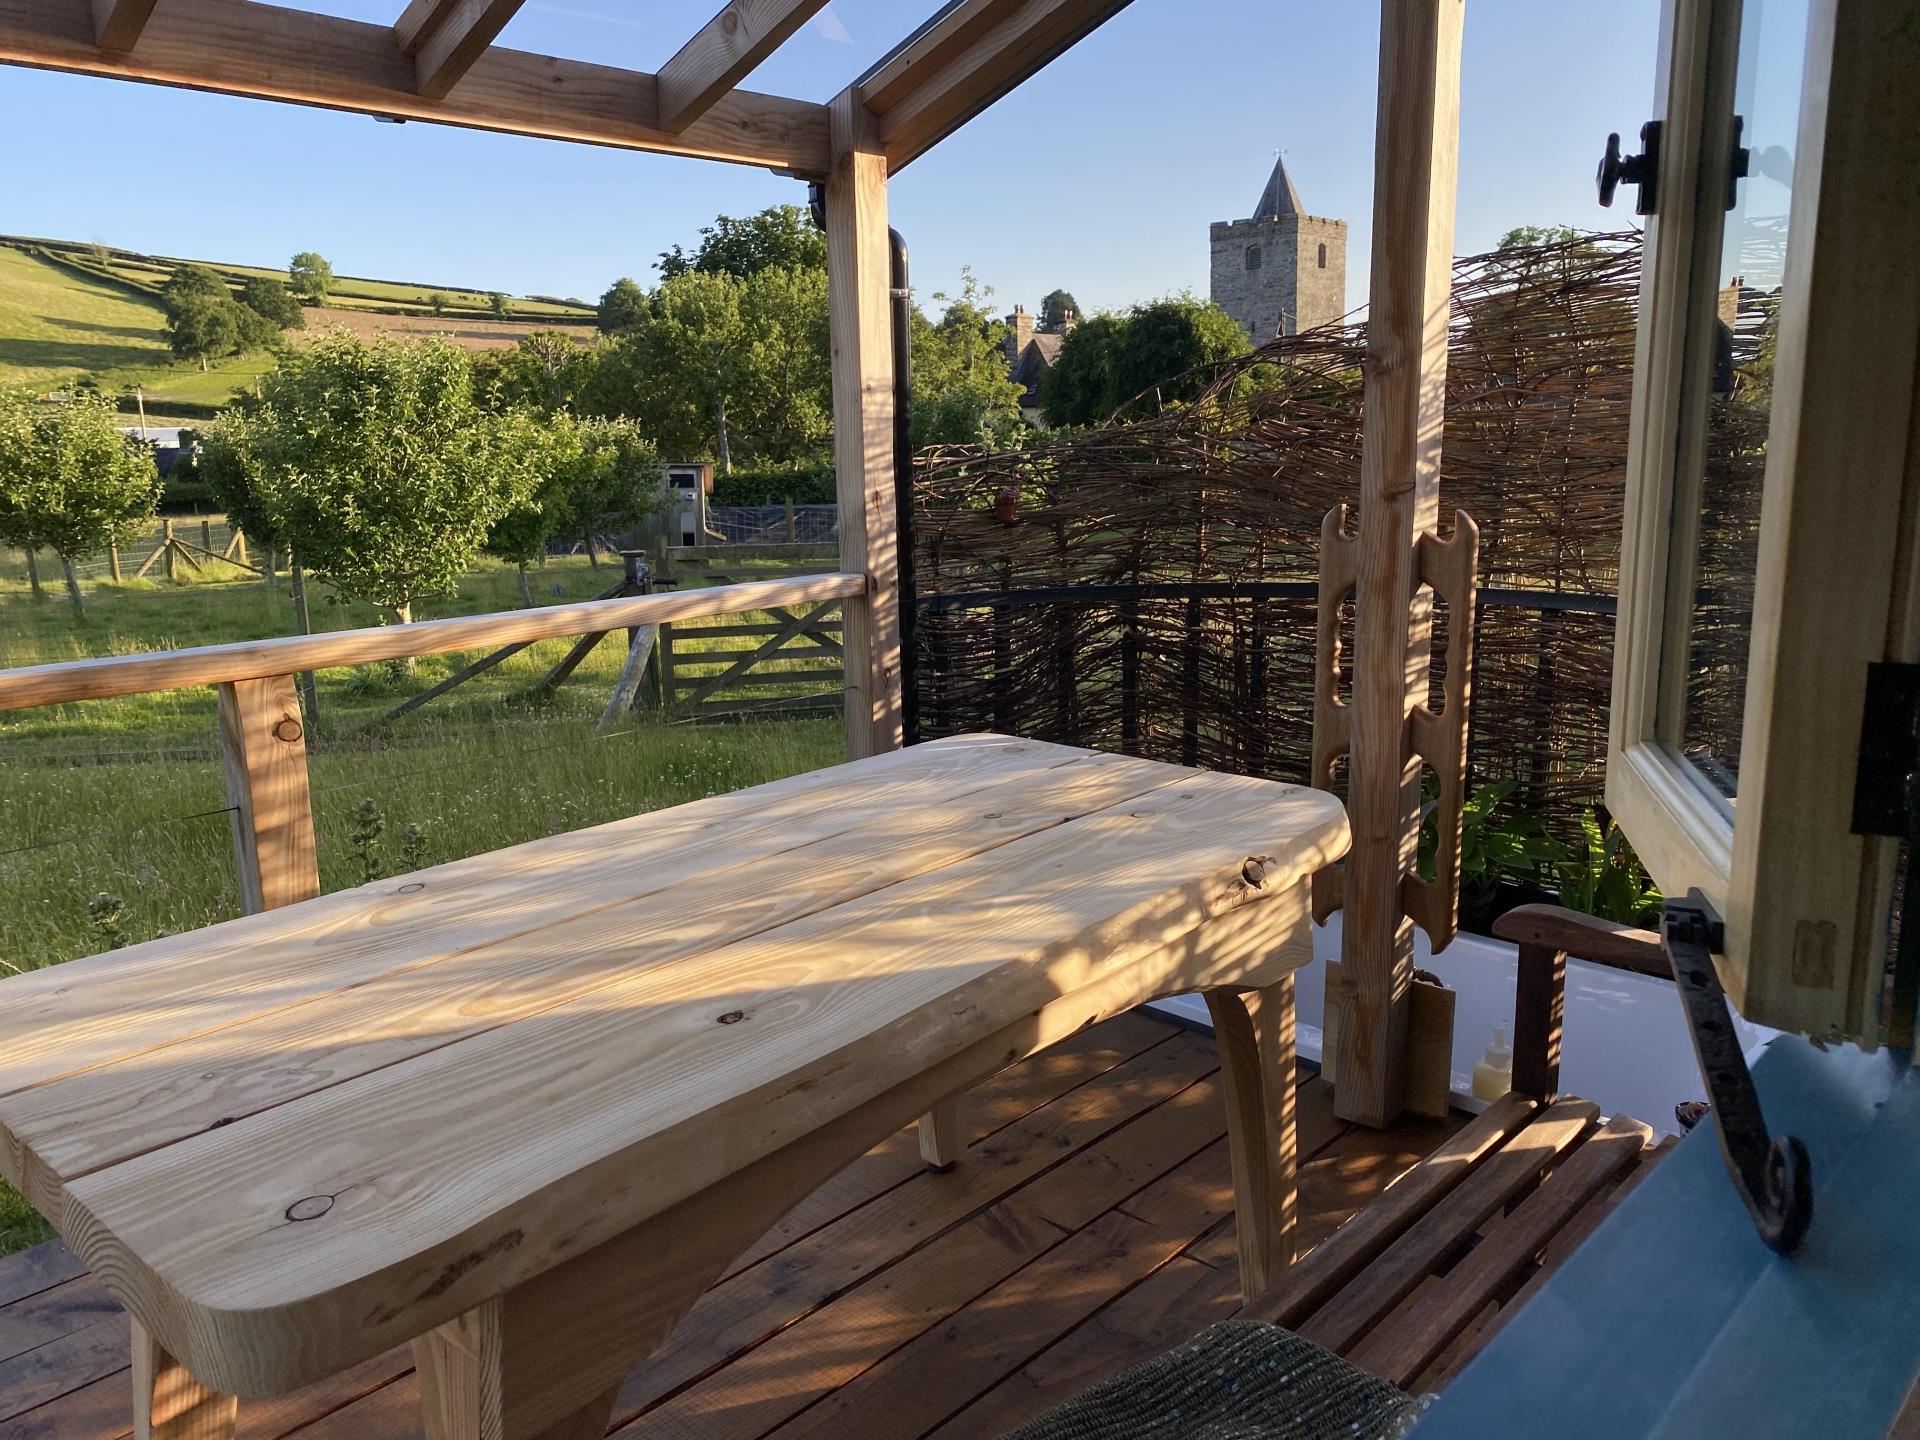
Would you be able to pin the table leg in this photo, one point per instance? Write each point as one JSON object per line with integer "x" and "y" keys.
{"x": 941, "y": 1142}
{"x": 1254, "y": 1030}
{"x": 168, "y": 1403}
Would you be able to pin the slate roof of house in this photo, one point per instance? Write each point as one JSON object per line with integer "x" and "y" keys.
{"x": 1034, "y": 363}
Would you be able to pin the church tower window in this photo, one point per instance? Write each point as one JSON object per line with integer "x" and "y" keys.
{"x": 1253, "y": 257}
{"x": 1323, "y": 256}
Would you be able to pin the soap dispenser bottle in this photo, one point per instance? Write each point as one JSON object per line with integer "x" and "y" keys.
{"x": 1493, "y": 1076}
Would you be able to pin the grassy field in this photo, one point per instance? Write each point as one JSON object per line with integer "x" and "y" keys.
{"x": 126, "y": 798}
{"x": 57, "y": 323}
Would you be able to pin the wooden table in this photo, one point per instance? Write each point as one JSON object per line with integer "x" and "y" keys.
{"x": 523, "y": 1108}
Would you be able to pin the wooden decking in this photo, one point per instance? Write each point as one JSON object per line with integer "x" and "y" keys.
{"x": 1089, "y": 1225}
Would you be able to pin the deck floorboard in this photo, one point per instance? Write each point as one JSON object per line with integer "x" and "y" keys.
{"x": 1088, "y": 1225}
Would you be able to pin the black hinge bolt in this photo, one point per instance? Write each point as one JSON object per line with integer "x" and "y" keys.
{"x": 1642, "y": 169}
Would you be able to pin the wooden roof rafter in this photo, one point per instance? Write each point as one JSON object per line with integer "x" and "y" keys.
{"x": 446, "y": 37}
{"x": 438, "y": 62}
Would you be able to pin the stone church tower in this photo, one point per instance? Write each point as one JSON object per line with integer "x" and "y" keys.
{"x": 1283, "y": 271}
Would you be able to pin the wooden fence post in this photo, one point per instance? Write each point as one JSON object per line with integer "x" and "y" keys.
{"x": 169, "y": 548}
{"x": 307, "y": 686}
{"x": 206, "y": 537}
{"x": 1415, "y": 151}
{"x": 264, "y": 745}
{"x": 793, "y": 524}
{"x": 113, "y": 562}
{"x": 860, "y": 322}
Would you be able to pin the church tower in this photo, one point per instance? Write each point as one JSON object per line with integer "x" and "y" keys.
{"x": 1283, "y": 270}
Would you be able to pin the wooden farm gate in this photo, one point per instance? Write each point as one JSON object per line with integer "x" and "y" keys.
{"x": 791, "y": 663}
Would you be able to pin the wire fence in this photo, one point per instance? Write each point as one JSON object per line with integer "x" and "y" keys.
{"x": 776, "y": 524}
{"x": 196, "y": 542}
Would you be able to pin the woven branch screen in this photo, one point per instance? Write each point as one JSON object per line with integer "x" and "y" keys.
{"x": 1149, "y": 587}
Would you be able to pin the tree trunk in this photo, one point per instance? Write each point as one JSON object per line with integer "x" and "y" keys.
{"x": 271, "y": 562}
{"x": 720, "y": 435}
{"x": 73, "y": 589}
{"x": 526, "y": 592}
{"x": 33, "y": 574}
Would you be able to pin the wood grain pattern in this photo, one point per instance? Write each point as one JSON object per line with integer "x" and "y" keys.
{"x": 258, "y": 659}
{"x": 1415, "y": 152}
{"x": 1450, "y": 569}
{"x": 859, "y": 279}
{"x": 946, "y": 36}
{"x": 263, "y": 744}
{"x": 116, "y": 26}
{"x": 1402, "y": 1348}
{"x": 1332, "y": 716}
{"x": 1337, "y": 1259}
{"x": 940, "y": 100}
{"x": 942, "y": 1135}
{"x": 169, "y": 1404}
{"x": 242, "y": 47}
{"x": 724, "y": 52}
{"x": 102, "y": 1008}
{"x": 1586, "y": 937}
{"x": 414, "y": 1203}
{"x": 451, "y": 45}
{"x": 1255, "y": 1032}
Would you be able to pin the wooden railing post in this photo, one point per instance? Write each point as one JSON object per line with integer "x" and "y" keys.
{"x": 1415, "y": 150}
{"x": 113, "y": 561}
{"x": 860, "y": 322}
{"x": 264, "y": 744}
{"x": 169, "y": 547}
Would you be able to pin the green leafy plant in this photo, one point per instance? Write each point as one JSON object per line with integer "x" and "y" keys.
{"x": 413, "y": 848}
{"x": 106, "y": 913}
{"x": 369, "y": 824}
{"x": 1603, "y": 876}
{"x": 1493, "y": 846}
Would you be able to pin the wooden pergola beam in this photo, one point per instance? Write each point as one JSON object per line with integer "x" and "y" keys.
{"x": 239, "y": 47}
{"x": 726, "y": 50}
{"x": 448, "y": 41}
{"x": 967, "y": 59}
{"x": 118, "y": 23}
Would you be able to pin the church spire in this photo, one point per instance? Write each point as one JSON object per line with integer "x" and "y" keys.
{"x": 1279, "y": 198}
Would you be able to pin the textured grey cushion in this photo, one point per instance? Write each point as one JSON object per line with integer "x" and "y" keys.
{"x": 1241, "y": 1380}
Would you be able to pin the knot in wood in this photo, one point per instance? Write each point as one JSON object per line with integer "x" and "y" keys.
{"x": 732, "y": 1017}
{"x": 311, "y": 1208}
{"x": 1254, "y": 872}
{"x": 288, "y": 729}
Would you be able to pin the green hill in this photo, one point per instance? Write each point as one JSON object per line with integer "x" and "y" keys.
{"x": 70, "y": 311}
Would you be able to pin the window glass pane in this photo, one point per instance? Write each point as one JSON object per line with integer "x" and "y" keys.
{"x": 1747, "y": 309}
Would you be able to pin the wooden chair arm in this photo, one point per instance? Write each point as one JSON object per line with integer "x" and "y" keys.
{"x": 1585, "y": 937}
{"x": 1547, "y": 935}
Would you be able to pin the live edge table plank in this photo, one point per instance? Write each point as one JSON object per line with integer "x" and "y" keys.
{"x": 522, "y": 1109}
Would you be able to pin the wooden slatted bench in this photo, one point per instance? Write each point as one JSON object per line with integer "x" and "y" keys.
{"x": 1414, "y": 1284}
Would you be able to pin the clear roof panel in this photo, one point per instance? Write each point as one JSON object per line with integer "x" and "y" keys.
{"x": 823, "y": 57}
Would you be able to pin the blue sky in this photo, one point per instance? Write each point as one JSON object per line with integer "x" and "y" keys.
{"x": 1100, "y": 176}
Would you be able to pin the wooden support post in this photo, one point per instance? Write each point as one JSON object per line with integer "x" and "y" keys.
{"x": 859, "y": 317}
{"x": 474, "y": 1374}
{"x": 169, "y": 1404}
{"x": 1416, "y": 143}
{"x": 793, "y": 523}
{"x": 113, "y": 562}
{"x": 170, "y": 550}
{"x": 941, "y": 1140}
{"x": 206, "y": 537}
{"x": 264, "y": 745}
{"x": 1255, "y": 1032}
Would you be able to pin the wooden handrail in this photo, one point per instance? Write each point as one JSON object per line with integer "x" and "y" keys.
{"x": 114, "y": 675}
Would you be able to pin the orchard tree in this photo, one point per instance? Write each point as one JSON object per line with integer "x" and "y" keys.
{"x": 374, "y": 463}
{"x": 588, "y": 475}
{"x": 500, "y": 304}
{"x": 273, "y": 301}
{"x": 224, "y": 459}
{"x": 70, "y": 481}
{"x": 538, "y": 371}
{"x": 623, "y": 307}
{"x": 781, "y": 236}
{"x": 310, "y": 276}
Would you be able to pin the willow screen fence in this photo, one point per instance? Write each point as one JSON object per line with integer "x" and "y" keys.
{"x": 1150, "y": 587}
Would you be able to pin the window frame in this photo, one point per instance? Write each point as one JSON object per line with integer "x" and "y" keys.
{"x": 1805, "y": 901}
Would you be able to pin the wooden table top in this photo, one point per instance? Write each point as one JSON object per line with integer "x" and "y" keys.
{"x": 303, "y": 1133}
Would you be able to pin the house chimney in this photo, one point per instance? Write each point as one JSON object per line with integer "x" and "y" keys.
{"x": 1019, "y": 334}
{"x": 1067, "y": 321}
